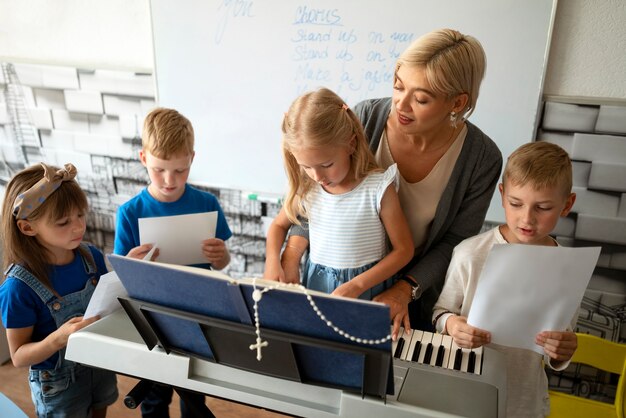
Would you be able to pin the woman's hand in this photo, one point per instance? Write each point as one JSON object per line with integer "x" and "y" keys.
{"x": 397, "y": 298}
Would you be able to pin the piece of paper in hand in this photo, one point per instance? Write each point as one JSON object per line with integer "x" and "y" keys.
{"x": 526, "y": 289}
{"x": 148, "y": 256}
{"x": 104, "y": 299}
{"x": 180, "y": 237}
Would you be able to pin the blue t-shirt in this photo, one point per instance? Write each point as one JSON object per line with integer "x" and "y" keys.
{"x": 145, "y": 206}
{"x": 21, "y": 307}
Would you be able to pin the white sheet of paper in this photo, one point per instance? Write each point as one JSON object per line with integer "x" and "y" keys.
{"x": 526, "y": 289}
{"x": 179, "y": 237}
{"x": 104, "y": 299}
{"x": 148, "y": 256}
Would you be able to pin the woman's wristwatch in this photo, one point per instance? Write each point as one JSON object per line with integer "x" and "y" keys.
{"x": 416, "y": 289}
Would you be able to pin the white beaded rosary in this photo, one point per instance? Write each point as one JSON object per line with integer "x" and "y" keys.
{"x": 257, "y": 294}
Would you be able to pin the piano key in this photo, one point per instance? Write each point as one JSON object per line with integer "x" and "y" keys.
{"x": 397, "y": 353}
{"x": 394, "y": 344}
{"x": 428, "y": 354}
{"x": 436, "y": 343}
{"x": 416, "y": 345}
{"x": 446, "y": 342}
{"x": 416, "y": 351}
{"x": 458, "y": 359}
{"x": 479, "y": 360}
{"x": 454, "y": 358}
{"x": 425, "y": 340}
{"x": 465, "y": 361}
{"x": 437, "y": 350}
{"x": 471, "y": 362}
{"x": 441, "y": 351}
{"x": 402, "y": 345}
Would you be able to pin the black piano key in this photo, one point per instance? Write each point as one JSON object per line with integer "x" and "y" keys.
{"x": 440, "y": 353}
{"x": 428, "y": 353}
{"x": 416, "y": 351}
{"x": 471, "y": 362}
{"x": 458, "y": 358}
{"x": 399, "y": 347}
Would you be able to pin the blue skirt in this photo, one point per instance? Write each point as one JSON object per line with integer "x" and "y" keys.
{"x": 326, "y": 279}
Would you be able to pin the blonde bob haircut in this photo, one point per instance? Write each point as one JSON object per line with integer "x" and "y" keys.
{"x": 167, "y": 134}
{"x": 26, "y": 250}
{"x": 319, "y": 119}
{"x": 540, "y": 164}
{"x": 454, "y": 64}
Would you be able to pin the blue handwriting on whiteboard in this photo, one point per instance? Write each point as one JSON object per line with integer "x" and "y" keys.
{"x": 303, "y": 35}
{"x": 311, "y": 16}
{"x": 304, "y": 52}
{"x": 228, "y": 9}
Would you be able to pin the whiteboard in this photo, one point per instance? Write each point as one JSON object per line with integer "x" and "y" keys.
{"x": 234, "y": 66}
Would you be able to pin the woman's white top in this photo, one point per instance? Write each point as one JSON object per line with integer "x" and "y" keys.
{"x": 419, "y": 200}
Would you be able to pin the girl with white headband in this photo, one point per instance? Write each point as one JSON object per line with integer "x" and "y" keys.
{"x": 50, "y": 277}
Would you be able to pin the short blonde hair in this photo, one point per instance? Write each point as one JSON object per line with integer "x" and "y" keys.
{"x": 319, "y": 119}
{"x": 167, "y": 133}
{"x": 454, "y": 64}
{"x": 541, "y": 164}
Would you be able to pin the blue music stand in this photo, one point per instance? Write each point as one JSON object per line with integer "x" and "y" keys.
{"x": 208, "y": 315}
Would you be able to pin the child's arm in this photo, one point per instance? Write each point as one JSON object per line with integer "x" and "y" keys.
{"x": 25, "y": 352}
{"x": 292, "y": 254}
{"x": 124, "y": 242}
{"x": 215, "y": 250}
{"x": 275, "y": 239}
{"x": 447, "y": 309}
{"x": 401, "y": 248}
{"x": 558, "y": 345}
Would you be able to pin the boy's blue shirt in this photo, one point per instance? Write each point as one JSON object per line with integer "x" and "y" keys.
{"x": 145, "y": 206}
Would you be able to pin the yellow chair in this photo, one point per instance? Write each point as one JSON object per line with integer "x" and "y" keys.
{"x": 601, "y": 354}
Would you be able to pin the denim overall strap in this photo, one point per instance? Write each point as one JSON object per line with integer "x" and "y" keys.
{"x": 88, "y": 261}
{"x": 69, "y": 306}
{"x": 19, "y": 272}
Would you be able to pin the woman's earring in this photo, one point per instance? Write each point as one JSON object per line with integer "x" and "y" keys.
{"x": 453, "y": 119}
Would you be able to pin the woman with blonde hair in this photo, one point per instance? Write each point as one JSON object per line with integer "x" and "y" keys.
{"x": 448, "y": 167}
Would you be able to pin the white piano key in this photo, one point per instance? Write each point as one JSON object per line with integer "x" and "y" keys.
{"x": 466, "y": 352}
{"x": 405, "y": 344}
{"x": 436, "y": 342}
{"x": 426, "y": 339}
{"x": 453, "y": 349}
{"x": 394, "y": 344}
{"x": 416, "y": 337}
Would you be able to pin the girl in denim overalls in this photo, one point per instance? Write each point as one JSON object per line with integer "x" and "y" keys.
{"x": 50, "y": 277}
